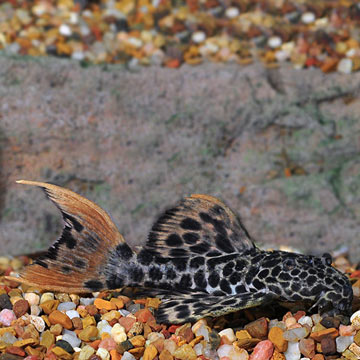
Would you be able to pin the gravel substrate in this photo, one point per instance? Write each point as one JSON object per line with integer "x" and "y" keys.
{"x": 307, "y": 33}
{"x": 109, "y": 325}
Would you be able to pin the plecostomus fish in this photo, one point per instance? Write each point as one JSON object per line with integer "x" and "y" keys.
{"x": 198, "y": 257}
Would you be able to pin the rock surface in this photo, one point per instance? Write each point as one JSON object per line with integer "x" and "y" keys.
{"x": 279, "y": 146}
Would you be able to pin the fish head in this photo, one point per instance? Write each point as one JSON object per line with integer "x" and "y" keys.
{"x": 314, "y": 279}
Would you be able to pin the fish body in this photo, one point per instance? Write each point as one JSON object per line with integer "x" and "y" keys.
{"x": 199, "y": 258}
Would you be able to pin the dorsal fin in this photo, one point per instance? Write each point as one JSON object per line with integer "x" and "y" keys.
{"x": 199, "y": 224}
{"x": 75, "y": 262}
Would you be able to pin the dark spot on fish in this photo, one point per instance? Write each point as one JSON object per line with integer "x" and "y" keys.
{"x": 190, "y": 224}
{"x": 76, "y": 224}
{"x": 136, "y": 274}
{"x": 228, "y": 269}
{"x": 224, "y": 286}
{"x": 66, "y": 238}
{"x": 206, "y": 217}
{"x": 199, "y": 279}
{"x": 185, "y": 282}
{"x": 197, "y": 262}
{"x": 114, "y": 282}
{"x": 213, "y": 253}
{"x": 191, "y": 238}
{"x": 171, "y": 274}
{"x": 284, "y": 276}
{"x": 173, "y": 240}
{"x": 81, "y": 264}
{"x": 123, "y": 251}
{"x": 214, "y": 279}
{"x": 155, "y": 273}
{"x": 235, "y": 278}
{"x": 145, "y": 257}
{"x": 94, "y": 285}
{"x": 223, "y": 243}
{"x": 240, "y": 289}
{"x": 178, "y": 252}
{"x": 295, "y": 272}
{"x": 258, "y": 284}
{"x": 201, "y": 248}
{"x": 41, "y": 263}
{"x": 179, "y": 263}
{"x": 65, "y": 269}
{"x": 263, "y": 274}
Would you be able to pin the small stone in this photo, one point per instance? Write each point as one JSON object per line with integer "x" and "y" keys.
{"x": 355, "y": 349}
{"x": 346, "y": 330}
{"x": 165, "y": 355}
{"x": 293, "y": 351}
{"x": 56, "y": 329}
{"x": 73, "y": 340}
{"x": 118, "y": 333}
{"x": 61, "y": 353}
{"x": 289, "y": 322}
{"x": 127, "y": 322}
{"x": 355, "y": 319}
{"x": 296, "y": 334}
{"x": 318, "y": 335}
{"x": 65, "y": 345}
{"x": 127, "y": 356}
{"x": 274, "y": 42}
{"x": 65, "y": 306}
{"x": 32, "y": 298}
{"x": 86, "y": 352}
{"x": 138, "y": 341}
{"x": 229, "y": 334}
{"x": 14, "y": 350}
{"x": 57, "y": 317}
{"x": 307, "y": 347}
{"x": 35, "y": 310}
{"x": 198, "y": 37}
{"x": 77, "y": 323}
{"x": 357, "y": 338}
{"x": 150, "y": 352}
{"x": 108, "y": 344}
{"x": 258, "y": 328}
{"x": 153, "y": 303}
{"x": 46, "y": 297}
{"x": 214, "y": 339}
{"x": 87, "y": 301}
{"x": 308, "y": 17}
{"x": 8, "y": 338}
{"x": 89, "y": 333}
{"x": 47, "y": 339}
{"x": 49, "y": 306}
{"x": 330, "y": 322}
{"x": 103, "y": 327}
{"x": 328, "y": 346}
{"x": 6, "y": 317}
{"x": 242, "y": 334}
{"x": 345, "y": 66}
{"x": 65, "y": 30}
{"x": 20, "y": 308}
{"x": 5, "y": 302}
{"x": 316, "y": 318}
{"x": 136, "y": 329}
{"x": 343, "y": 342}
{"x": 276, "y": 336}
{"x": 104, "y": 304}
{"x": 124, "y": 346}
{"x": 103, "y": 354}
{"x": 24, "y": 342}
{"x": 232, "y": 12}
{"x": 185, "y": 352}
{"x": 144, "y": 315}
{"x": 72, "y": 314}
{"x": 318, "y": 357}
{"x": 113, "y": 314}
{"x": 38, "y": 322}
{"x": 262, "y": 351}
{"x": 306, "y": 320}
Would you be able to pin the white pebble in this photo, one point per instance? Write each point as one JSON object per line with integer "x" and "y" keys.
{"x": 32, "y": 298}
{"x": 87, "y": 301}
{"x": 295, "y": 334}
{"x": 355, "y": 318}
{"x": 72, "y": 314}
{"x": 127, "y": 356}
{"x": 103, "y": 353}
{"x": 136, "y": 42}
{"x": 274, "y": 42}
{"x": 78, "y": 55}
{"x": 35, "y": 310}
{"x": 232, "y": 353}
{"x": 118, "y": 333}
{"x": 232, "y": 12}
{"x": 65, "y": 306}
{"x": 103, "y": 327}
{"x": 74, "y": 341}
{"x": 65, "y": 30}
{"x": 316, "y": 318}
{"x": 308, "y": 17}
{"x": 293, "y": 351}
{"x": 229, "y": 334}
{"x": 8, "y": 338}
{"x": 202, "y": 330}
{"x": 343, "y": 342}
{"x": 86, "y": 352}
{"x": 38, "y": 322}
{"x": 224, "y": 350}
{"x": 124, "y": 312}
{"x": 306, "y": 320}
{"x": 198, "y": 37}
{"x": 345, "y": 66}
{"x": 198, "y": 349}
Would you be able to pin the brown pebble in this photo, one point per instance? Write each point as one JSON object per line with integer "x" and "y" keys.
{"x": 88, "y": 334}
{"x": 94, "y": 357}
{"x": 277, "y": 338}
{"x": 56, "y": 329}
{"x": 91, "y": 309}
{"x": 138, "y": 341}
{"x": 77, "y": 323}
{"x": 330, "y": 322}
{"x": 357, "y": 338}
{"x": 307, "y": 347}
{"x": 165, "y": 355}
{"x": 15, "y": 350}
{"x": 21, "y": 307}
{"x": 277, "y": 355}
{"x": 47, "y": 339}
{"x": 318, "y": 357}
{"x": 57, "y": 317}
{"x": 258, "y": 328}
{"x": 150, "y": 352}
{"x": 49, "y": 306}
{"x": 328, "y": 345}
{"x": 318, "y": 335}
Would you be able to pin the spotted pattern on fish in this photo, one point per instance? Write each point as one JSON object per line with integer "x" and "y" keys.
{"x": 199, "y": 258}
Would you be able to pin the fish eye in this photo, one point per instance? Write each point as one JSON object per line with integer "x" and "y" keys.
{"x": 326, "y": 259}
